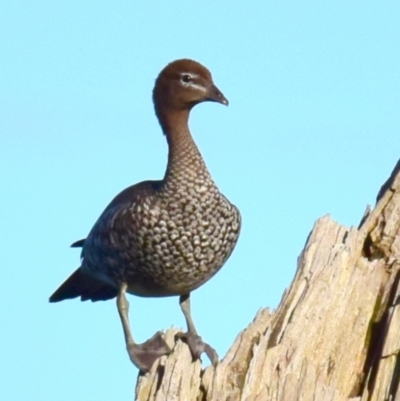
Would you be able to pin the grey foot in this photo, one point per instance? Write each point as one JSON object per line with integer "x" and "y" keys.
{"x": 197, "y": 346}
{"x": 144, "y": 355}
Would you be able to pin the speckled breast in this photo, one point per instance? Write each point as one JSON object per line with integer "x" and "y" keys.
{"x": 163, "y": 245}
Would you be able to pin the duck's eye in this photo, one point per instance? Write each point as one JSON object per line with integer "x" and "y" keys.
{"x": 186, "y": 78}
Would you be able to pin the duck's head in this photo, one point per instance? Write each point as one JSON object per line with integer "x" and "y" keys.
{"x": 182, "y": 84}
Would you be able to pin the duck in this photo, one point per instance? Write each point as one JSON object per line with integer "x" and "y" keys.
{"x": 162, "y": 238}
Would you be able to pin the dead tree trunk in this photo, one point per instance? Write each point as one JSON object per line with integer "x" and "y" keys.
{"x": 334, "y": 337}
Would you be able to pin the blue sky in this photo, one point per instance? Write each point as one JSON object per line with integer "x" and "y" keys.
{"x": 313, "y": 127}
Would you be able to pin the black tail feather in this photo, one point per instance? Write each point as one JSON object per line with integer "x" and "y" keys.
{"x": 78, "y": 244}
{"x": 79, "y": 284}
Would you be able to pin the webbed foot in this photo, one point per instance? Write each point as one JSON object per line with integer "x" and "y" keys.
{"x": 144, "y": 355}
{"x": 197, "y": 346}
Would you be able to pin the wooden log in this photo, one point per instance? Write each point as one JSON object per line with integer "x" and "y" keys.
{"x": 334, "y": 337}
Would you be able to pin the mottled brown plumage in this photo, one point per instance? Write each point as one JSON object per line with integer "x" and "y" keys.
{"x": 162, "y": 238}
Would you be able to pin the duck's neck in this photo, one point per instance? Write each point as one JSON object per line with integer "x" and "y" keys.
{"x": 184, "y": 159}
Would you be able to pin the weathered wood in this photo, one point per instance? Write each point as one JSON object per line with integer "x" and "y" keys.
{"x": 334, "y": 337}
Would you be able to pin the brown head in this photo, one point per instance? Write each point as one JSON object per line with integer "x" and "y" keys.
{"x": 181, "y": 85}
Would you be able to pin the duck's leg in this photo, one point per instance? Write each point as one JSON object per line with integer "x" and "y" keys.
{"x": 194, "y": 341}
{"x": 142, "y": 355}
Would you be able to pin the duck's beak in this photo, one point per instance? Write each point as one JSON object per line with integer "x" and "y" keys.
{"x": 215, "y": 95}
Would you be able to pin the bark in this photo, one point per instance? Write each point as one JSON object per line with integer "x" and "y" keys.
{"x": 334, "y": 337}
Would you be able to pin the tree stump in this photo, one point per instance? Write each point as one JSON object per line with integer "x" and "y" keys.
{"x": 334, "y": 337}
